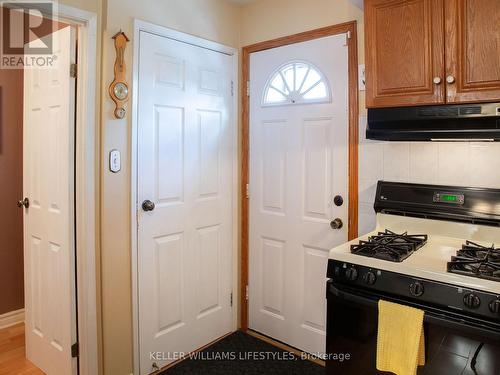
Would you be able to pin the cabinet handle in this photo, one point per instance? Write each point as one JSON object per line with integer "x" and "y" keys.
{"x": 437, "y": 80}
{"x": 450, "y": 79}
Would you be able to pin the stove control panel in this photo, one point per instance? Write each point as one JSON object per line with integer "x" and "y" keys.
{"x": 421, "y": 291}
{"x": 495, "y": 306}
{"x": 370, "y": 278}
{"x": 450, "y": 198}
{"x": 417, "y": 289}
{"x": 472, "y": 301}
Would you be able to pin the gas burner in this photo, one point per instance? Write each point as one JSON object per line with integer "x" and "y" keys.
{"x": 476, "y": 261}
{"x": 390, "y": 246}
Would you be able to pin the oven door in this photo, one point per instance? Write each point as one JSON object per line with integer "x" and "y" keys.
{"x": 455, "y": 344}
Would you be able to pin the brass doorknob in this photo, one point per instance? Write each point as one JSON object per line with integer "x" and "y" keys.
{"x": 147, "y": 205}
{"x": 336, "y": 223}
{"x": 23, "y": 203}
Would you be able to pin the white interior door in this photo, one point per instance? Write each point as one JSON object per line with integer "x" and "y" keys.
{"x": 298, "y": 164}
{"x": 184, "y": 167}
{"x": 49, "y": 249}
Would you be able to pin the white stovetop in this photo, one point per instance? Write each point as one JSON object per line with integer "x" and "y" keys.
{"x": 428, "y": 262}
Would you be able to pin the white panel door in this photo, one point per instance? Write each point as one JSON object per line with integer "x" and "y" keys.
{"x": 185, "y": 158}
{"x": 298, "y": 164}
{"x": 49, "y": 249}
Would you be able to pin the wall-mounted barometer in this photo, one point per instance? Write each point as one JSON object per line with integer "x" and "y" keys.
{"x": 118, "y": 90}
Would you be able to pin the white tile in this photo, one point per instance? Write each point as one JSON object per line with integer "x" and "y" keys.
{"x": 362, "y": 129}
{"x": 485, "y": 165}
{"x": 453, "y": 163}
{"x": 371, "y": 161}
{"x": 367, "y": 189}
{"x": 397, "y": 161}
{"x": 366, "y": 219}
{"x": 423, "y": 162}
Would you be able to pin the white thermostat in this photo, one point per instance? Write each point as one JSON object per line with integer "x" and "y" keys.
{"x": 115, "y": 163}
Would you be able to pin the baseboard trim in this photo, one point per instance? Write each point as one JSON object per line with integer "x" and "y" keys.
{"x": 11, "y": 318}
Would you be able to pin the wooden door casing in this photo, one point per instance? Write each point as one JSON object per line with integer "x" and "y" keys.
{"x": 473, "y": 50}
{"x": 404, "y": 52}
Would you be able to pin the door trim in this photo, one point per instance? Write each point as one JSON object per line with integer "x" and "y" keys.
{"x": 352, "y": 44}
{"x": 143, "y": 26}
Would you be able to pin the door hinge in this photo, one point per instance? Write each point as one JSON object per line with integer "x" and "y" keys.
{"x": 246, "y": 292}
{"x": 349, "y": 34}
{"x": 231, "y": 299}
{"x": 248, "y": 88}
{"x": 232, "y": 88}
{"x": 247, "y": 193}
{"x": 73, "y": 70}
{"x": 75, "y": 350}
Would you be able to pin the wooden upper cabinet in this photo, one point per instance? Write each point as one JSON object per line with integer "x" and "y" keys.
{"x": 473, "y": 50}
{"x": 404, "y": 52}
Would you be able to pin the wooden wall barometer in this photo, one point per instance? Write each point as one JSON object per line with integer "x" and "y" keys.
{"x": 118, "y": 90}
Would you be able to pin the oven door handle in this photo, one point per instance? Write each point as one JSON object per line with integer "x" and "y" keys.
{"x": 442, "y": 319}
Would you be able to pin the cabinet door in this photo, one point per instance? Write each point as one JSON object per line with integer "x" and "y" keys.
{"x": 473, "y": 50}
{"x": 404, "y": 52}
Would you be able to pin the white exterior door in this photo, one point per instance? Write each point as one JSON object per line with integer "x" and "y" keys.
{"x": 298, "y": 164}
{"x": 49, "y": 248}
{"x": 184, "y": 167}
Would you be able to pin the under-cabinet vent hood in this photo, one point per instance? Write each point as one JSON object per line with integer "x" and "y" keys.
{"x": 464, "y": 122}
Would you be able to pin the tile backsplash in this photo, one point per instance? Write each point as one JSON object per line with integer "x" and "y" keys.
{"x": 443, "y": 163}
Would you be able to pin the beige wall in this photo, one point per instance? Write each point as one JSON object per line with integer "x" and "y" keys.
{"x": 211, "y": 19}
{"x": 217, "y": 20}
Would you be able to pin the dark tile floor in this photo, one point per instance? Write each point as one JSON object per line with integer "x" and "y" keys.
{"x": 452, "y": 354}
{"x": 237, "y": 348}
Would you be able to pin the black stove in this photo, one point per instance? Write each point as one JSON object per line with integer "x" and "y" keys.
{"x": 477, "y": 261}
{"x": 466, "y": 316}
{"x": 390, "y": 246}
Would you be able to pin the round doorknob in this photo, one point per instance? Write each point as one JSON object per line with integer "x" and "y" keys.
{"x": 23, "y": 203}
{"x": 336, "y": 223}
{"x": 437, "y": 80}
{"x": 450, "y": 79}
{"x": 147, "y": 205}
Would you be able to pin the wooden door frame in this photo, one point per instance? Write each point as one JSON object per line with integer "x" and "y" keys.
{"x": 352, "y": 44}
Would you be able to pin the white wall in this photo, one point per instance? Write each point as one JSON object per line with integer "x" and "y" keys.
{"x": 456, "y": 163}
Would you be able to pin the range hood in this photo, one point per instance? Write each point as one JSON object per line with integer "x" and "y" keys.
{"x": 464, "y": 122}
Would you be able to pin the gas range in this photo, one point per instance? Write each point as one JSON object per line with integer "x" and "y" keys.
{"x": 477, "y": 260}
{"x": 390, "y": 246}
{"x": 432, "y": 249}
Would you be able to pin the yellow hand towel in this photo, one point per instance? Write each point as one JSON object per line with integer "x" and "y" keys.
{"x": 400, "y": 342}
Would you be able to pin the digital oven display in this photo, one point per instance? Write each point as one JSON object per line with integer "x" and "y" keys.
{"x": 449, "y": 198}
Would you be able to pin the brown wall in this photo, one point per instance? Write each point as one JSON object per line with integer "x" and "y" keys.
{"x": 11, "y": 190}
{"x": 11, "y": 184}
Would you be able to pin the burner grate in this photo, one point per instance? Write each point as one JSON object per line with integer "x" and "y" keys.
{"x": 390, "y": 246}
{"x": 477, "y": 261}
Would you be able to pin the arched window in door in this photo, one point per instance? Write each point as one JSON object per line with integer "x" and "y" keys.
{"x": 296, "y": 82}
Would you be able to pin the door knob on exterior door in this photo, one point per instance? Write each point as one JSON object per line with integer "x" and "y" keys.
{"x": 147, "y": 205}
{"x": 336, "y": 223}
{"x": 23, "y": 203}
